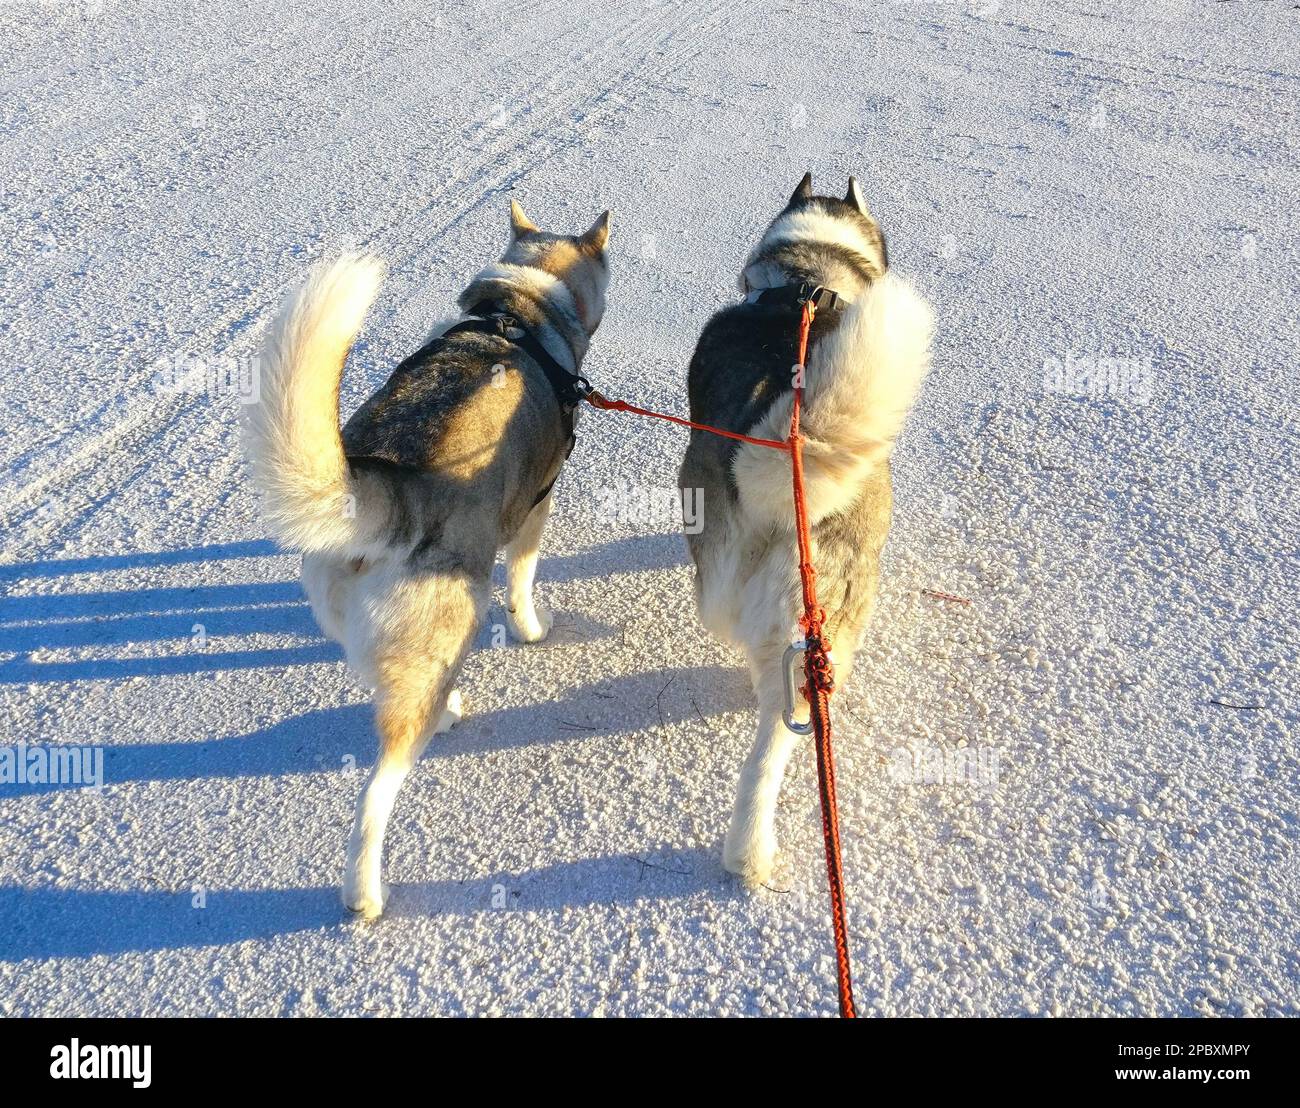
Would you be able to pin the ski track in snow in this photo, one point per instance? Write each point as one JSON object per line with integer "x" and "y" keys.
{"x": 1062, "y": 180}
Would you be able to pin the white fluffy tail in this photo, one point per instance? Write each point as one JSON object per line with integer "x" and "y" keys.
{"x": 291, "y": 434}
{"x": 860, "y": 383}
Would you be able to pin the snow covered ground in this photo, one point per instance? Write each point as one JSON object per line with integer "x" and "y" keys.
{"x": 1068, "y": 182}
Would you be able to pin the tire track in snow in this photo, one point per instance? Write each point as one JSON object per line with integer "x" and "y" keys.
{"x": 27, "y": 513}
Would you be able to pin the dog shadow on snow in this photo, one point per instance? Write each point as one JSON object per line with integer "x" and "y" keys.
{"x": 327, "y": 738}
{"x": 78, "y": 923}
{"x": 46, "y": 922}
{"x": 207, "y": 621}
{"x": 343, "y": 737}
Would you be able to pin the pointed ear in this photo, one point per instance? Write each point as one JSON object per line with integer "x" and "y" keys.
{"x": 854, "y": 196}
{"x": 520, "y": 224}
{"x": 803, "y": 192}
{"x": 598, "y": 234}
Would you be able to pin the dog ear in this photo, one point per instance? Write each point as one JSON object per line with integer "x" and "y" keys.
{"x": 598, "y": 234}
{"x": 803, "y": 192}
{"x": 520, "y": 224}
{"x": 854, "y": 197}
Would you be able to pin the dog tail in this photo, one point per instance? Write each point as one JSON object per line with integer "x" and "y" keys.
{"x": 291, "y": 434}
{"x": 860, "y": 382}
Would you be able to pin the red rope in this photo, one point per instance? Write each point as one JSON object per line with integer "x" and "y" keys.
{"x": 817, "y": 663}
{"x": 596, "y": 400}
{"x": 817, "y": 671}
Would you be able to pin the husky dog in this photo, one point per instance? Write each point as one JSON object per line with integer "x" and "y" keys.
{"x": 401, "y": 515}
{"x": 867, "y": 359}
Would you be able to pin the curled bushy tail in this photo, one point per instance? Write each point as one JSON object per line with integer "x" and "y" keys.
{"x": 861, "y": 381}
{"x": 292, "y": 433}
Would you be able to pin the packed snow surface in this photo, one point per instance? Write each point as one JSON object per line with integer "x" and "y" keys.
{"x": 1079, "y": 793}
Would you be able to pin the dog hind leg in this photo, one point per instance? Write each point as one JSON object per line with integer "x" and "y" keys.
{"x": 416, "y": 661}
{"x": 325, "y": 579}
{"x": 750, "y": 846}
{"x": 528, "y": 622}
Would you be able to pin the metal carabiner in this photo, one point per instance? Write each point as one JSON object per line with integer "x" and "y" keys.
{"x": 788, "y": 664}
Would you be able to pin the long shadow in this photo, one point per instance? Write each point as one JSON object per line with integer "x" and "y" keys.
{"x": 216, "y": 614}
{"x": 630, "y": 554}
{"x": 208, "y": 617}
{"x": 22, "y": 671}
{"x": 258, "y": 548}
{"x": 633, "y": 554}
{"x": 321, "y": 739}
{"x": 81, "y": 923}
{"x": 108, "y": 603}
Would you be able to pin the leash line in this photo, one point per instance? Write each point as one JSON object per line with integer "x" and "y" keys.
{"x": 821, "y": 683}
{"x": 597, "y": 400}
{"x": 818, "y": 671}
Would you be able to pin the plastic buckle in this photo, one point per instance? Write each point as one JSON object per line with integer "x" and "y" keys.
{"x": 819, "y": 296}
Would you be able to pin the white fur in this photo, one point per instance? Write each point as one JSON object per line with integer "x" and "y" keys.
{"x": 855, "y": 196}
{"x": 406, "y": 637}
{"x": 528, "y": 620}
{"x": 812, "y": 225}
{"x": 861, "y": 381}
{"x": 292, "y": 432}
{"x": 758, "y": 276}
{"x": 749, "y": 849}
{"x": 559, "y": 300}
{"x": 363, "y": 889}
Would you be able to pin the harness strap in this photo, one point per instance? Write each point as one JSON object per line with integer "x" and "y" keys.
{"x": 796, "y": 296}
{"x": 570, "y": 388}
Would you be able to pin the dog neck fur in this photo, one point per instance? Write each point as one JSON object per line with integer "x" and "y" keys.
{"x": 812, "y": 243}
{"x": 540, "y": 301}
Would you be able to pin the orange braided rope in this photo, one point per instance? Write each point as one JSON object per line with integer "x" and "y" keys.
{"x": 817, "y": 663}
{"x": 818, "y": 672}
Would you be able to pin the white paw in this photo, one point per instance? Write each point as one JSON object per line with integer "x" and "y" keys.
{"x": 531, "y": 624}
{"x": 749, "y": 856}
{"x": 368, "y": 904}
{"x": 452, "y": 714}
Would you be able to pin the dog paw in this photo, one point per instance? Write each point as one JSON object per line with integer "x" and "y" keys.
{"x": 751, "y": 858}
{"x": 452, "y": 714}
{"x": 367, "y": 904}
{"x": 532, "y": 624}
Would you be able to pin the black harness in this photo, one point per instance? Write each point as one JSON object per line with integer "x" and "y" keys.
{"x": 795, "y": 296}
{"x": 570, "y": 388}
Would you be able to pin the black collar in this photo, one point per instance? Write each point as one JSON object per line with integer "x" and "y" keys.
{"x": 823, "y": 299}
{"x": 491, "y": 319}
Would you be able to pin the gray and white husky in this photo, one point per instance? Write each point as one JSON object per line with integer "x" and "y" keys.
{"x": 400, "y": 515}
{"x": 866, "y": 361}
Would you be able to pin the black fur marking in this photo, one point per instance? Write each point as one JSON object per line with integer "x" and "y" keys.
{"x": 843, "y": 211}
{"x": 805, "y": 261}
{"x": 802, "y": 192}
{"x": 758, "y": 344}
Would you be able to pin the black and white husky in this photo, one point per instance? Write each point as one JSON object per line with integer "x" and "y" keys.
{"x": 400, "y": 516}
{"x": 866, "y": 361}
